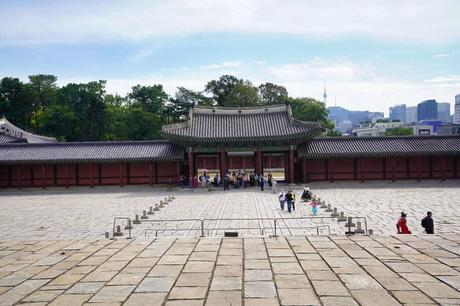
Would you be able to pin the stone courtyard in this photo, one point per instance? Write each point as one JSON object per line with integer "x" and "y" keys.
{"x": 79, "y": 213}
{"x": 53, "y": 250}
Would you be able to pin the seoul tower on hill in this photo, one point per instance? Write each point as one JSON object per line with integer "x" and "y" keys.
{"x": 325, "y": 94}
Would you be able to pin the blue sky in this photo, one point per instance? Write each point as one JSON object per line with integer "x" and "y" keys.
{"x": 370, "y": 54}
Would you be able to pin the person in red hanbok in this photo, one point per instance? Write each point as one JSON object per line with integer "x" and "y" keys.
{"x": 401, "y": 226}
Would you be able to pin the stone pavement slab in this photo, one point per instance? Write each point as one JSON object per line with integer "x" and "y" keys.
{"x": 306, "y": 270}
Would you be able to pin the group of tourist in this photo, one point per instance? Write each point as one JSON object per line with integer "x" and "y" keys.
{"x": 427, "y": 223}
{"x": 289, "y": 198}
{"x": 236, "y": 180}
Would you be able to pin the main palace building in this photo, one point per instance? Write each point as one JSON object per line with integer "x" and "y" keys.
{"x": 261, "y": 139}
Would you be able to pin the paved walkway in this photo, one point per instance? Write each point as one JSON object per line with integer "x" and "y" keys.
{"x": 294, "y": 270}
{"x": 83, "y": 213}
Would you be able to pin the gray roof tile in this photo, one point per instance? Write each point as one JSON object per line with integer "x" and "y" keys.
{"x": 349, "y": 147}
{"x": 66, "y": 152}
{"x": 269, "y": 124}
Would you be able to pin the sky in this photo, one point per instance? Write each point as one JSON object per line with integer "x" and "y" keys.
{"x": 370, "y": 54}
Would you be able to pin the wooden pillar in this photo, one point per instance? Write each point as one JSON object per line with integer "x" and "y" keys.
{"x": 77, "y": 174}
{"x": 326, "y": 169}
{"x": 99, "y": 174}
{"x": 128, "y": 174}
{"x": 418, "y": 168}
{"x": 32, "y": 175}
{"x": 270, "y": 161}
{"x": 393, "y": 168}
{"x": 244, "y": 163}
{"x": 384, "y": 167}
{"x": 10, "y": 175}
{"x": 407, "y": 167}
{"x": 304, "y": 171}
{"x": 222, "y": 164}
{"x": 362, "y": 169}
{"x": 430, "y": 167}
{"x": 355, "y": 169}
{"x": 443, "y": 168}
{"x": 66, "y": 175}
{"x": 55, "y": 174}
{"x": 156, "y": 172}
{"x": 332, "y": 170}
{"x": 259, "y": 162}
{"x": 121, "y": 174}
{"x": 91, "y": 175}
{"x": 190, "y": 166}
{"x": 43, "y": 176}
{"x": 151, "y": 173}
{"x": 291, "y": 164}
{"x": 19, "y": 179}
{"x": 456, "y": 167}
{"x": 177, "y": 169}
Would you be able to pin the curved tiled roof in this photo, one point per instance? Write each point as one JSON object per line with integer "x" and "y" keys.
{"x": 270, "y": 124}
{"x": 6, "y": 138}
{"x": 86, "y": 152}
{"x": 349, "y": 147}
{"x": 9, "y": 129}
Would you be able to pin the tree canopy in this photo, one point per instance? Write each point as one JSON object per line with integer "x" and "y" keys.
{"x": 86, "y": 112}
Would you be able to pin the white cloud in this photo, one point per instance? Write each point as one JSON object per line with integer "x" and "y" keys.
{"x": 360, "y": 89}
{"x": 442, "y": 55}
{"x": 423, "y": 21}
{"x": 222, "y": 65}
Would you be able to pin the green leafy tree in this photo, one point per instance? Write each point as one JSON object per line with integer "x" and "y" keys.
{"x": 399, "y": 131}
{"x": 272, "y": 94}
{"x": 116, "y": 114}
{"x": 15, "y": 102}
{"x": 221, "y": 88}
{"x": 243, "y": 95}
{"x": 179, "y": 105}
{"x": 151, "y": 98}
{"x": 43, "y": 92}
{"x": 142, "y": 125}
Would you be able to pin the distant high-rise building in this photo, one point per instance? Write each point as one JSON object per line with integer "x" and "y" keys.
{"x": 444, "y": 112}
{"x": 457, "y": 109}
{"x": 398, "y": 112}
{"x": 427, "y": 110}
{"x": 411, "y": 114}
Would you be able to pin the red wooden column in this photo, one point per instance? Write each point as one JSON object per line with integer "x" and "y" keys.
{"x": 384, "y": 167}
{"x": 121, "y": 174}
{"x": 355, "y": 169}
{"x": 430, "y": 166}
{"x": 177, "y": 169}
{"x": 128, "y": 174}
{"x": 304, "y": 170}
{"x": 332, "y": 170}
{"x": 418, "y": 168}
{"x": 259, "y": 163}
{"x": 456, "y": 167}
{"x": 66, "y": 175}
{"x": 43, "y": 176}
{"x": 151, "y": 173}
{"x": 156, "y": 172}
{"x": 91, "y": 175}
{"x": 362, "y": 169}
{"x": 443, "y": 169}
{"x": 32, "y": 175}
{"x": 19, "y": 183}
{"x": 190, "y": 166}
{"x": 291, "y": 164}
{"x": 393, "y": 169}
{"x": 222, "y": 162}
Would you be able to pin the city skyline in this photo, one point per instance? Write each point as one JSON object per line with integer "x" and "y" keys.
{"x": 371, "y": 55}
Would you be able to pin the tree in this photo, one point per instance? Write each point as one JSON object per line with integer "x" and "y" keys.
{"x": 178, "y": 106}
{"x": 15, "y": 102}
{"x": 243, "y": 95}
{"x": 399, "y": 131}
{"x": 116, "y": 114}
{"x": 308, "y": 109}
{"x": 221, "y": 88}
{"x": 151, "y": 98}
{"x": 272, "y": 94}
{"x": 143, "y": 125}
{"x": 43, "y": 90}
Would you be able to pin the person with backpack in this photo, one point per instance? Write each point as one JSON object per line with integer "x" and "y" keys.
{"x": 282, "y": 199}
{"x": 428, "y": 224}
{"x": 289, "y": 201}
{"x": 262, "y": 183}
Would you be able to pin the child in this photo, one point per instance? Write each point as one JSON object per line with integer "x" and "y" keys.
{"x": 282, "y": 198}
{"x": 314, "y": 207}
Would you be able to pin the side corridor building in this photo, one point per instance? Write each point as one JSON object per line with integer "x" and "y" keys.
{"x": 261, "y": 139}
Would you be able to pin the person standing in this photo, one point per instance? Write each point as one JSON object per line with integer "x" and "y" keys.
{"x": 289, "y": 201}
{"x": 226, "y": 182}
{"x": 314, "y": 207}
{"x": 428, "y": 224}
{"x": 262, "y": 183}
{"x": 293, "y": 200}
{"x": 274, "y": 186}
{"x": 282, "y": 198}
{"x": 401, "y": 226}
